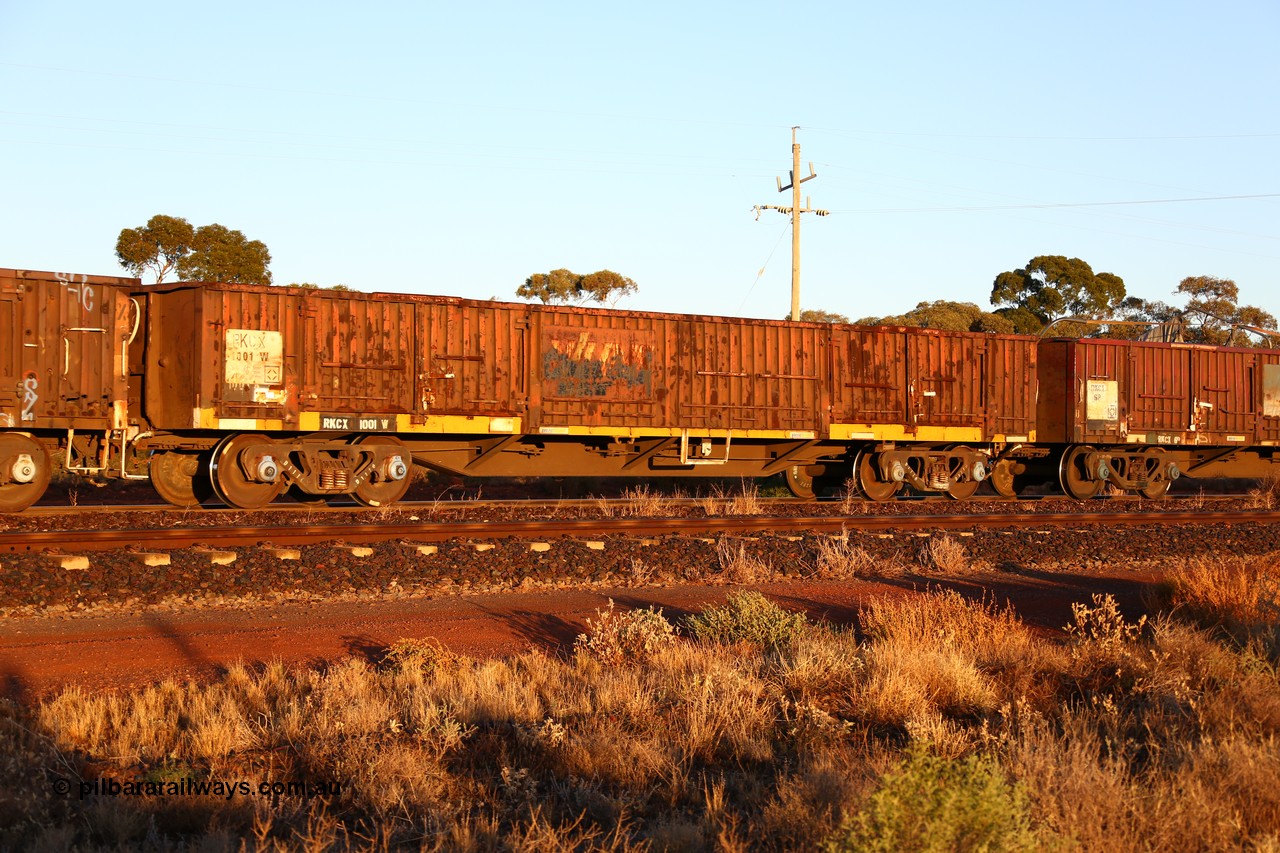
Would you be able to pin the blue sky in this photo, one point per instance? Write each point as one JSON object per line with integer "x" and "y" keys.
{"x": 456, "y": 149}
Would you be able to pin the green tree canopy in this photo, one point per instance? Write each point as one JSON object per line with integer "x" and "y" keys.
{"x": 214, "y": 252}
{"x": 563, "y": 286}
{"x": 817, "y": 315}
{"x": 1052, "y": 286}
{"x": 221, "y": 254}
{"x": 946, "y": 315}
{"x": 311, "y": 285}
{"x": 157, "y": 246}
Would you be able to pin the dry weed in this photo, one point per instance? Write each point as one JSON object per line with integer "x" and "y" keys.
{"x": 938, "y": 653}
{"x": 851, "y": 499}
{"x": 823, "y": 664}
{"x": 641, "y": 502}
{"x": 1236, "y": 592}
{"x": 1100, "y": 633}
{"x": 1266, "y": 494}
{"x": 632, "y": 636}
{"x": 903, "y": 685}
{"x": 944, "y": 554}
{"x": 739, "y": 567}
{"x": 837, "y": 558}
{"x": 1127, "y": 736}
{"x": 746, "y": 501}
{"x": 991, "y": 635}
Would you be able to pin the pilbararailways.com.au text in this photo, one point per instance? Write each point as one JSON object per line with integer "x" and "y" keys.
{"x": 194, "y": 788}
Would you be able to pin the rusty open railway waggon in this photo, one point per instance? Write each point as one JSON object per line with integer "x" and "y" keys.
{"x": 237, "y": 393}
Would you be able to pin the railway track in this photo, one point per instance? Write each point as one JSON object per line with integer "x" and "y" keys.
{"x": 21, "y": 541}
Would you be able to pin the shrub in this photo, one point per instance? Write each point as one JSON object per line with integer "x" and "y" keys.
{"x": 935, "y": 804}
{"x": 1242, "y": 592}
{"x": 1102, "y": 628}
{"x": 750, "y": 617}
{"x": 420, "y": 655}
{"x": 642, "y": 502}
{"x": 631, "y": 636}
{"x": 944, "y": 554}
{"x": 1266, "y": 494}
{"x": 737, "y": 566}
{"x": 837, "y": 558}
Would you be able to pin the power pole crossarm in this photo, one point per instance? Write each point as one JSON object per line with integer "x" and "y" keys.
{"x": 794, "y": 211}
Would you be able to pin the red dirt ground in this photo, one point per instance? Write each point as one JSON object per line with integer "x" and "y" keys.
{"x": 40, "y": 655}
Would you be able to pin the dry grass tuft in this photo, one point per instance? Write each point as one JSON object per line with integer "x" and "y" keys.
{"x": 723, "y": 502}
{"x": 1235, "y": 592}
{"x": 1266, "y": 494}
{"x": 737, "y": 566}
{"x": 851, "y": 500}
{"x": 641, "y": 502}
{"x": 837, "y": 558}
{"x": 940, "y": 654}
{"x": 944, "y": 554}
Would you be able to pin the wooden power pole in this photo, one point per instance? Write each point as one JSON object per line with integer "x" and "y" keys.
{"x": 795, "y": 210}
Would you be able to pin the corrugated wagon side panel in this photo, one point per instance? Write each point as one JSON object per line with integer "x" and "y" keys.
{"x": 361, "y": 353}
{"x": 1012, "y": 385}
{"x": 597, "y": 368}
{"x": 750, "y": 375}
{"x": 470, "y": 358}
{"x": 65, "y": 364}
{"x": 254, "y": 346}
{"x": 1055, "y": 402}
{"x": 1223, "y": 391}
{"x": 1099, "y": 394}
{"x": 945, "y": 379}
{"x": 1159, "y": 382}
{"x": 1266, "y": 394}
{"x": 868, "y": 376}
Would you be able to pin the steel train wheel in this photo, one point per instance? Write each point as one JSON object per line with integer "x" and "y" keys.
{"x": 1159, "y": 489}
{"x": 1002, "y": 478}
{"x": 385, "y": 492}
{"x": 230, "y": 483}
{"x": 24, "y": 471}
{"x": 864, "y": 471}
{"x": 179, "y": 478}
{"x": 800, "y": 483}
{"x": 962, "y": 490}
{"x": 1072, "y": 476}
{"x": 1156, "y": 491}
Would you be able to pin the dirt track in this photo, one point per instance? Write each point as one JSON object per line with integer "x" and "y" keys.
{"x": 39, "y": 655}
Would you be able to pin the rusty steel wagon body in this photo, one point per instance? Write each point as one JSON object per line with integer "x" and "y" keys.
{"x": 258, "y": 389}
{"x": 64, "y": 376}
{"x": 1138, "y": 415}
{"x": 240, "y": 392}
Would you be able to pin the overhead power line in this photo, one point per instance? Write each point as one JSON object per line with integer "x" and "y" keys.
{"x": 1052, "y": 206}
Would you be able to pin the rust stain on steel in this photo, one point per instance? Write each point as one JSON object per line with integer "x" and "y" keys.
{"x": 63, "y": 357}
{"x": 1099, "y": 391}
{"x": 923, "y": 377}
{"x": 599, "y": 362}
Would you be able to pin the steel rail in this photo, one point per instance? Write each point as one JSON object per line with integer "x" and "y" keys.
{"x": 18, "y": 541}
